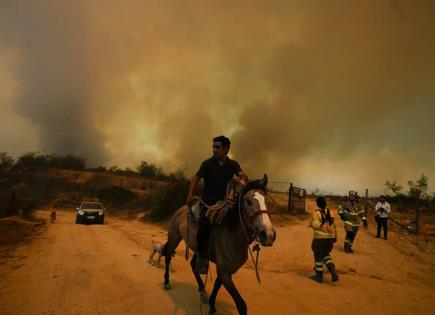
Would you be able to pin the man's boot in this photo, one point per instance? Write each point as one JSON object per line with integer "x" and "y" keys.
{"x": 318, "y": 277}
{"x": 331, "y": 269}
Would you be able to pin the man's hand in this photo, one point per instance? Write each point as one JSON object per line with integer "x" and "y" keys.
{"x": 241, "y": 180}
{"x": 341, "y": 214}
{"x": 189, "y": 201}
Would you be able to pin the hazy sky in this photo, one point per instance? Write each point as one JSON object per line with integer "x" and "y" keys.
{"x": 327, "y": 94}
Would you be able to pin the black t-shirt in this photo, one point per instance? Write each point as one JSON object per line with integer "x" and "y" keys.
{"x": 216, "y": 178}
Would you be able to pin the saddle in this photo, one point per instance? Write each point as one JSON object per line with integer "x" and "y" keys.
{"x": 216, "y": 216}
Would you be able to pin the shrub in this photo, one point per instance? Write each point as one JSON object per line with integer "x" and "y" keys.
{"x": 115, "y": 195}
{"x": 166, "y": 201}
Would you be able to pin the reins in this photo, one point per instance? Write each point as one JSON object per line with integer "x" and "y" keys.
{"x": 255, "y": 238}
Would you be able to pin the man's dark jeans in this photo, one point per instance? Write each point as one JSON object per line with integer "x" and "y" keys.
{"x": 382, "y": 222}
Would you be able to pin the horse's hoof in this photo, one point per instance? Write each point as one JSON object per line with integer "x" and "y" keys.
{"x": 212, "y": 310}
{"x": 203, "y": 297}
{"x": 167, "y": 286}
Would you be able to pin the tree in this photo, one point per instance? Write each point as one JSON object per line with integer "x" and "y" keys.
{"x": 179, "y": 174}
{"x": 418, "y": 189}
{"x": 147, "y": 170}
{"x": 393, "y": 187}
{"x": 6, "y": 161}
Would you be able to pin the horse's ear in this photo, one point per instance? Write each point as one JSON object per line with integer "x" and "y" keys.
{"x": 265, "y": 181}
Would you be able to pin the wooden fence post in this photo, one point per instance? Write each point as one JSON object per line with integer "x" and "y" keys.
{"x": 366, "y": 200}
{"x": 417, "y": 219}
{"x": 290, "y": 193}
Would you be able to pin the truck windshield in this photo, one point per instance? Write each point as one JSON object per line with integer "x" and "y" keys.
{"x": 91, "y": 205}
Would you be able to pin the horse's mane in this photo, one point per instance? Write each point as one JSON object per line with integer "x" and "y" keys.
{"x": 255, "y": 184}
{"x": 232, "y": 216}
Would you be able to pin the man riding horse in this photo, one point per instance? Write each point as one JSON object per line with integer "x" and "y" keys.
{"x": 216, "y": 171}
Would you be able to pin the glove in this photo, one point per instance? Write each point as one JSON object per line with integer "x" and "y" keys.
{"x": 365, "y": 224}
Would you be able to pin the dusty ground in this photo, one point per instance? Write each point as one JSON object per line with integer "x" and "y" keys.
{"x": 103, "y": 269}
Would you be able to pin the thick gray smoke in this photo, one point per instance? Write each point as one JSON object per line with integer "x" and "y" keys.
{"x": 328, "y": 94}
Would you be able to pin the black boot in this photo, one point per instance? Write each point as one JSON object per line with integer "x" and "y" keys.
{"x": 331, "y": 269}
{"x": 348, "y": 248}
{"x": 318, "y": 277}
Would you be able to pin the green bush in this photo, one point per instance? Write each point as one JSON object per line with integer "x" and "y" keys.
{"x": 115, "y": 195}
{"x": 21, "y": 201}
{"x": 166, "y": 201}
{"x": 38, "y": 160}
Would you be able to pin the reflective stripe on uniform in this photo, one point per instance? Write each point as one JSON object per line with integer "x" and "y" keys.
{"x": 350, "y": 223}
{"x": 323, "y": 233}
{"x": 318, "y": 266}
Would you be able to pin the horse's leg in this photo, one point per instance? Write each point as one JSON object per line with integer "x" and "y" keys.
{"x": 197, "y": 276}
{"x": 201, "y": 287}
{"x": 167, "y": 284}
{"x": 212, "y": 300}
{"x": 228, "y": 283}
{"x": 168, "y": 251}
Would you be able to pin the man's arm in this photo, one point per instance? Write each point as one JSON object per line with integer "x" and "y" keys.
{"x": 242, "y": 177}
{"x": 192, "y": 187}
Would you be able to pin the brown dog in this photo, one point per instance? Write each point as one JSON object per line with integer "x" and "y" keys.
{"x": 53, "y": 216}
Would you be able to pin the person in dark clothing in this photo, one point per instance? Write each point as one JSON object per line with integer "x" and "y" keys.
{"x": 383, "y": 210}
{"x": 216, "y": 171}
{"x": 351, "y": 212}
{"x": 325, "y": 235}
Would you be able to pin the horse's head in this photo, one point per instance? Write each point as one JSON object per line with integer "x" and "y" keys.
{"x": 254, "y": 211}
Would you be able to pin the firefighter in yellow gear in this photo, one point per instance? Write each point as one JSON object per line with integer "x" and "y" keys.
{"x": 351, "y": 213}
{"x": 324, "y": 238}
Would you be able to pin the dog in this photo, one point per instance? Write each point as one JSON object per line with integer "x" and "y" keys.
{"x": 53, "y": 216}
{"x": 156, "y": 247}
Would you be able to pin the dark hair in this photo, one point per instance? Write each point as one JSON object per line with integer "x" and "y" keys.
{"x": 226, "y": 143}
{"x": 321, "y": 202}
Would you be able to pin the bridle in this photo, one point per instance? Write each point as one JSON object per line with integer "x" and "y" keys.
{"x": 257, "y": 213}
{"x": 254, "y": 231}
{"x": 247, "y": 221}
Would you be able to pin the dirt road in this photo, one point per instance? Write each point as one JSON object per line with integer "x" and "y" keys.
{"x": 103, "y": 269}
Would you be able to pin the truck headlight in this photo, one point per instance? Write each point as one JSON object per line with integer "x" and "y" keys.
{"x": 100, "y": 212}
{"x": 81, "y": 212}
